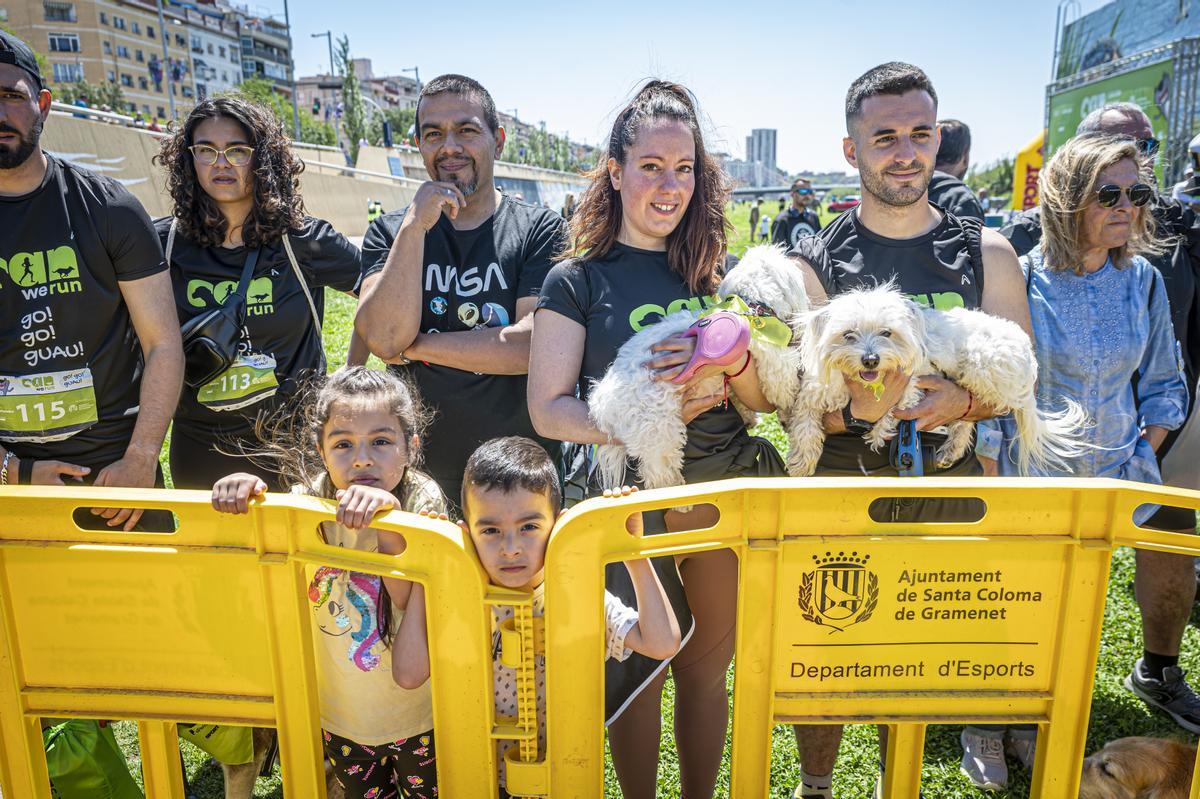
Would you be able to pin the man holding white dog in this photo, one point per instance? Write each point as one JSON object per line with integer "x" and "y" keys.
{"x": 937, "y": 259}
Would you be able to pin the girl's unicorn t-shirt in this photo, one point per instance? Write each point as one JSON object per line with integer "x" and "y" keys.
{"x": 359, "y": 698}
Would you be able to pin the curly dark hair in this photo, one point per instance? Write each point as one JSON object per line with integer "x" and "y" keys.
{"x": 278, "y": 206}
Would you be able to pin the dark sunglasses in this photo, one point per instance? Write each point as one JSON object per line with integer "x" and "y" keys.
{"x": 1109, "y": 195}
{"x": 1147, "y": 146}
{"x": 802, "y": 191}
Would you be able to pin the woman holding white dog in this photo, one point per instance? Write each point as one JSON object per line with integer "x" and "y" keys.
{"x": 650, "y": 239}
{"x": 1103, "y": 336}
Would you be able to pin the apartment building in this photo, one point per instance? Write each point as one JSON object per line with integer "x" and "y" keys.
{"x": 215, "y": 47}
{"x": 321, "y": 93}
{"x": 116, "y": 40}
{"x": 210, "y": 47}
{"x": 266, "y": 51}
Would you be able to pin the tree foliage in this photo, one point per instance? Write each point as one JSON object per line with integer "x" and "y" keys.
{"x": 401, "y": 121}
{"x": 536, "y": 146}
{"x": 354, "y": 121}
{"x": 996, "y": 177}
{"x": 107, "y": 93}
{"x": 261, "y": 91}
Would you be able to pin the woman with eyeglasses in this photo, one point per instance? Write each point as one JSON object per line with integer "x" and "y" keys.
{"x": 234, "y": 182}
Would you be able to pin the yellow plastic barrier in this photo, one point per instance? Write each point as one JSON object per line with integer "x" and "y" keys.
{"x": 835, "y": 624}
{"x": 212, "y": 624}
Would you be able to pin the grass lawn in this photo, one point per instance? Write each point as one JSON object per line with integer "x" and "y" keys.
{"x": 1115, "y": 713}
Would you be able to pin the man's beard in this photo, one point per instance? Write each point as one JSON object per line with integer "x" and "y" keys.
{"x": 466, "y": 187}
{"x": 12, "y": 158}
{"x": 875, "y": 184}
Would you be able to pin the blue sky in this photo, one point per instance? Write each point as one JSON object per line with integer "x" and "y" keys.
{"x": 784, "y": 64}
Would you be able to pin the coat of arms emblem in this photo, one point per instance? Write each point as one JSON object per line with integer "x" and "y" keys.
{"x": 841, "y": 591}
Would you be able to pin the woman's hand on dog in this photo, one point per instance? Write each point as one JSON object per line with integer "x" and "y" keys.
{"x": 676, "y": 353}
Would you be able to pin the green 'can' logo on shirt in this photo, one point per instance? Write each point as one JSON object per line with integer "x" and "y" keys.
{"x": 260, "y": 297}
{"x": 40, "y": 274}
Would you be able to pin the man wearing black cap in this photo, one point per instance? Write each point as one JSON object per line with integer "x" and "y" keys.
{"x": 90, "y": 357}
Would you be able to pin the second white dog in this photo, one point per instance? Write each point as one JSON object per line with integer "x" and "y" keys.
{"x": 864, "y": 333}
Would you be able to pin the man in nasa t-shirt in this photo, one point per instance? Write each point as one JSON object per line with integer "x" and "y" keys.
{"x": 450, "y": 282}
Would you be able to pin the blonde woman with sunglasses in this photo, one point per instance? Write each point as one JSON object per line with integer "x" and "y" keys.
{"x": 1102, "y": 324}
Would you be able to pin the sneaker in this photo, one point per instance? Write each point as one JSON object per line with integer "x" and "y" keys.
{"x": 1021, "y": 745}
{"x": 983, "y": 759}
{"x": 1171, "y": 695}
{"x": 809, "y": 792}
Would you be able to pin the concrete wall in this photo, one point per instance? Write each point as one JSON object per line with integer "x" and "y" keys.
{"x": 542, "y": 186}
{"x": 125, "y": 154}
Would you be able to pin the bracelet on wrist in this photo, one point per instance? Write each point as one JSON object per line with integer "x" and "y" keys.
{"x": 25, "y": 472}
{"x": 970, "y": 405}
{"x": 4, "y": 468}
{"x": 738, "y": 373}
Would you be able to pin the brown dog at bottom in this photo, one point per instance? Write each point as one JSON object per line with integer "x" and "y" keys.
{"x": 1139, "y": 768}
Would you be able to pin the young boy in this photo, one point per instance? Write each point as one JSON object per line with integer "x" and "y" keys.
{"x": 511, "y": 498}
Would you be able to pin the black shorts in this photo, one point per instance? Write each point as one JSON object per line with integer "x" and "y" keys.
{"x": 197, "y": 463}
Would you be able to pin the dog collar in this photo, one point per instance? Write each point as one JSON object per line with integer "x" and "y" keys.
{"x": 764, "y": 324}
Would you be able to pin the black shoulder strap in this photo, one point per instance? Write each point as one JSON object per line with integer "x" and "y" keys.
{"x": 247, "y": 271}
{"x": 973, "y": 232}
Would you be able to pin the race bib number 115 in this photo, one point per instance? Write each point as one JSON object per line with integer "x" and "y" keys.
{"x": 46, "y": 407}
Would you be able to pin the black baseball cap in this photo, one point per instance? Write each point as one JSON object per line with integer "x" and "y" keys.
{"x": 16, "y": 52}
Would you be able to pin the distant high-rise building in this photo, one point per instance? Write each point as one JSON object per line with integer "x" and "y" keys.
{"x": 760, "y": 148}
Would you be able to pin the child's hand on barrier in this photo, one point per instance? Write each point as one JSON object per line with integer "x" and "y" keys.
{"x": 232, "y": 494}
{"x": 433, "y": 514}
{"x": 633, "y": 525}
{"x": 358, "y": 504}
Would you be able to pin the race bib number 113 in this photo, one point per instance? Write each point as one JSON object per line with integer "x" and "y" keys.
{"x": 250, "y": 379}
{"x": 46, "y": 407}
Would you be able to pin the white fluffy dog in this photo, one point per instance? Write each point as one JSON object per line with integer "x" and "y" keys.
{"x": 864, "y": 333}
{"x": 644, "y": 414}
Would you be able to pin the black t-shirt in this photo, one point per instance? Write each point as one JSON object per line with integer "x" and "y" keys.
{"x": 70, "y": 362}
{"x": 472, "y": 279}
{"x": 279, "y": 323}
{"x": 941, "y": 269}
{"x": 793, "y": 225}
{"x": 616, "y": 296}
{"x": 1024, "y": 230}
{"x": 950, "y": 193}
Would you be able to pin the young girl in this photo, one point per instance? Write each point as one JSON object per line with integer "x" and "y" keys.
{"x": 357, "y": 441}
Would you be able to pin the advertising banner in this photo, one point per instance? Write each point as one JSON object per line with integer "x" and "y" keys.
{"x": 1025, "y": 174}
{"x": 1149, "y": 87}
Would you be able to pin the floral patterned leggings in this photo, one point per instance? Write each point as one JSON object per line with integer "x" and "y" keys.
{"x": 405, "y": 769}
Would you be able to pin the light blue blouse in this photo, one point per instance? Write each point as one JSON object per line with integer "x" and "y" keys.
{"x": 1094, "y": 333}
